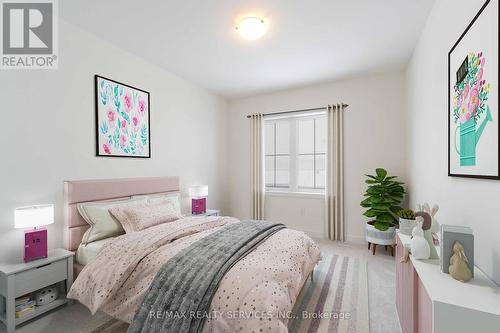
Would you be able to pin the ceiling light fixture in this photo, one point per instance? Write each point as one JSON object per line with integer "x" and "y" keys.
{"x": 252, "y": 28}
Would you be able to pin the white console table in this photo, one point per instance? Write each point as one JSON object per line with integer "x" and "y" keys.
{"x": 429, "y": 300}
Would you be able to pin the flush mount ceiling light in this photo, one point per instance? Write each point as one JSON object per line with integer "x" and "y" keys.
{"x": 252, "y": 28}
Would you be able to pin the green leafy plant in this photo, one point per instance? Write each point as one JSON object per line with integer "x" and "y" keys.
{"x": 406, "y": 214}
{"x": 383, "y": 197}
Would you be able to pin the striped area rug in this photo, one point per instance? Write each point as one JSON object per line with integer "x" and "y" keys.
{"x": 336, "y": 300}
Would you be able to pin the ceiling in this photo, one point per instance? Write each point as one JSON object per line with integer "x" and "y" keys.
{"x": 308, "y": 41}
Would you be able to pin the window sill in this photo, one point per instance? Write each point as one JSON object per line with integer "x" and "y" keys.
{"x": 306, "y": 195}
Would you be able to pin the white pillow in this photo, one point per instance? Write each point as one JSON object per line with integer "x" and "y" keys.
{"x": 172, "y": 199}
{"x": 102, "y": 223}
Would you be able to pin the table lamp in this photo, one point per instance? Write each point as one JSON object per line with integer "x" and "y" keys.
{"x": 35, "y": 238}
{"x": 198, "y": 199}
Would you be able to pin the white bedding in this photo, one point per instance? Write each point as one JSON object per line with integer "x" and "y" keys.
{"x": 88, "y": 252}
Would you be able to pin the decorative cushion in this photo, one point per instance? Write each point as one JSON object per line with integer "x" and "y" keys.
{"x": 170, "y": 198}
{"x": 102, "y": 224}
{"x": 139, "y": 217}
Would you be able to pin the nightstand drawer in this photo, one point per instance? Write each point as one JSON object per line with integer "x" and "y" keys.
{"x": 40, "y": 277}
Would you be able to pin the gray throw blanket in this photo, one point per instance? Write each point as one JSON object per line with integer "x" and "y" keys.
{"x": 184, "y": 287}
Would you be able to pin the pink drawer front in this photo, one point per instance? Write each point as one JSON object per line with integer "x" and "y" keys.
{"x": 412, "y": 301}
{"x": 405, "y": 275}
{"x": 423, "y": 309}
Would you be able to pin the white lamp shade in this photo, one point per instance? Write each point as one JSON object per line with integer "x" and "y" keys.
{"x": 33, "y": 216}
{"x": 198, "y": 191}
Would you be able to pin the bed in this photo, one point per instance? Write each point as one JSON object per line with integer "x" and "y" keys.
{"x": 118, "y": 275}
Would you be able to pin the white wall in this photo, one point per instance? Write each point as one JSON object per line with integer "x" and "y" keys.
{"x": 374, "y": 136}
{"x": 301, "y": 213}
{"x": 462, "y": 201}
{"x": 48, "y": 129}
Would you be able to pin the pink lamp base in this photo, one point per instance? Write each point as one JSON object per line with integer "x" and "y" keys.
{"x": 35, "y": 244}
{"x": 198, "y": 206}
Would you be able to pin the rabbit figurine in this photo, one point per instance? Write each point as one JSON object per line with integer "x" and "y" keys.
{"x": 434, "y": 224}
{"x": 426, "y": 226}
{"x": 432, "y": 212}
{"x": 459, "y": 270}
{"x": 419, "y": 247}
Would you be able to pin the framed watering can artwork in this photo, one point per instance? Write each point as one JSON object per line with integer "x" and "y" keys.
{"x": 473, "y": 118}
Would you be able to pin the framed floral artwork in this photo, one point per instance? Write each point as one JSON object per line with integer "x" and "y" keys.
{"x": 122, "y": 119}
{"x": 473, "y": 117}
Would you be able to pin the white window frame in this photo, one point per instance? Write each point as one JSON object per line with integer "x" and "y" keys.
{"x": 278, "y": 186}
{"x": 293, "y": 189}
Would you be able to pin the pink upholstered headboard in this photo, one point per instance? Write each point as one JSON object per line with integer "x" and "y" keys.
{"x": 105, "y": 189}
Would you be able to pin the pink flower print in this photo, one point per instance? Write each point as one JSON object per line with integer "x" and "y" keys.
{"x": 111, "y": 116}
{"x": 124, "y": 125}
{"x": 123, "y": 140}
{"x": 464, "y": 115}
{"x": 466, "y": 90}
{"x": 135, "y": 122}
{"x": 127, "y": 101}
{"x": 474, "y": 100}
{"x": 106, "y": 149}
{"x": 480, "y": 74}
{"x": 459, "y": 101}
{"x": 141, "y": 105}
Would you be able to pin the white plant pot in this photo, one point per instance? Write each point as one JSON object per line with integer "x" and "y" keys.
{"x": 406, "y": 226}
{"x": 376, "y": 236}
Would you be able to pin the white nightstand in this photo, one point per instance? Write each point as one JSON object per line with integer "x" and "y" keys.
{"x": 20, "y": 278}
{"x": 209, "y": 212}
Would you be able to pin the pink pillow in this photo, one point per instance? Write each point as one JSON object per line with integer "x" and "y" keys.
{"x": 139, "y": 217}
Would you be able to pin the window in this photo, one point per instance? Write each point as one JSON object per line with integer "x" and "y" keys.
{"x": 295, "y": 153}
{"x": 311, "y": 154}
{"x": 277, "y": 154}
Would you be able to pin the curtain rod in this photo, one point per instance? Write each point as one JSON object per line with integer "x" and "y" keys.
{"x": 294, "y": 111}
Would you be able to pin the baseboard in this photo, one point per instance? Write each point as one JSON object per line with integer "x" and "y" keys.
{"x": 349, "y": 238}
{"x": 312, "y": 234}
{"x": 355, "y": 239}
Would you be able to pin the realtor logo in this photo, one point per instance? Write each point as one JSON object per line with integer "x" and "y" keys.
{"x": 29, "y": 34}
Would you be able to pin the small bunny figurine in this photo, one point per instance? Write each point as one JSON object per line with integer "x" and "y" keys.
{"x": 419, "y": 247}
{"x": 433, "y": 236}
{"x": 426, "y": 226}
{"x": 432, "y": 212}
{"x": 459, "y": 270}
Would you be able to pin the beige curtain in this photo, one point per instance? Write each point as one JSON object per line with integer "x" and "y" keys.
{"x": 335, "y": 173}
{"x": 258, "y": 189}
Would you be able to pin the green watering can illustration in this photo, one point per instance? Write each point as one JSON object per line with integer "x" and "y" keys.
{"x": 469, "y": 138}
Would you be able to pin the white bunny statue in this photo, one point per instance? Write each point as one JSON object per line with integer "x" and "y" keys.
{"x": 432, "y": 212}
{"x": 419, "y": 247}
{"x": 435, "y": 226}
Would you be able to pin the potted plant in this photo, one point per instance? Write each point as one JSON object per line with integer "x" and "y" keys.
{"x": 406, "y": 221}
{"x": 383, "y": 198}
